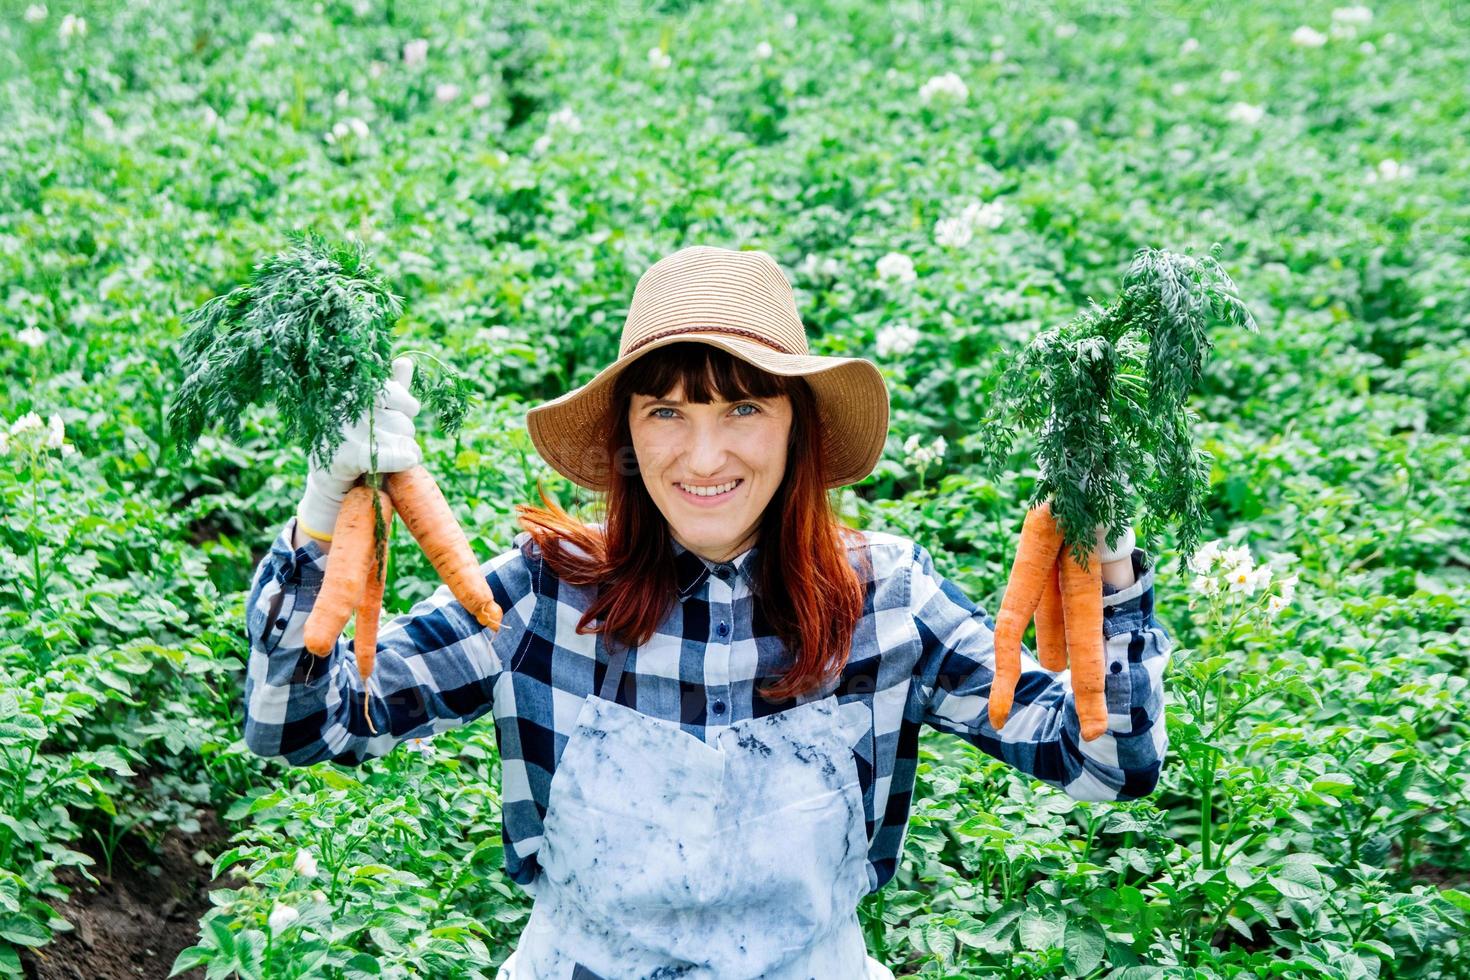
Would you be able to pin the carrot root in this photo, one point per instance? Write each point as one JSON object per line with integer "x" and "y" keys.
{"x": 370, "y": 610}
{"x": 347, "y": 571}
{"x": 426, "y": 514}
{"x": 1051, "y": 629}
{"x": 1082, "y": 602}
{"x": 1035, "y": 560}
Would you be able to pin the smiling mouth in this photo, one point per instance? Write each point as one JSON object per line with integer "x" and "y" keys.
{"x": 731, "y": 487}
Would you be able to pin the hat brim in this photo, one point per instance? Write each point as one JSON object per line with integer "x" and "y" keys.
{"x": 852, "y": 405}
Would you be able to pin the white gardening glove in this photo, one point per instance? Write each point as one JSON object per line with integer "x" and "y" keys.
{"x": 1126, "y": 541}
{"x": 327, "y": 487}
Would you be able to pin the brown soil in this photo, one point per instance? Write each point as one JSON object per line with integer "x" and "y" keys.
{"x": 135, "y": 923}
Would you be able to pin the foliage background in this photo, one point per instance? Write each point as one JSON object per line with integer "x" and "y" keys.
{"x": 1316, "y": 817}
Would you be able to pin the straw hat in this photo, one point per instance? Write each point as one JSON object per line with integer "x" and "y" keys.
{"x": 741, "y": 303}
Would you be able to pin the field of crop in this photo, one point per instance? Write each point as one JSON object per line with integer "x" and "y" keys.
{"x": 940, "y": 181}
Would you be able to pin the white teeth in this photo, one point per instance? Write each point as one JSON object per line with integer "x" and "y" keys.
{"x": 708, "y": 491}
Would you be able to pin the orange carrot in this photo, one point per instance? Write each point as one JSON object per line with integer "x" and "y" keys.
{"x": 370, "y": 609}
{"x": 426, "y": 513}
{"x": 1082, "y": 602}
{"x": 347, "y": 568}
{"x": 1036, "y": 557}
{"x": 1051, "y": 632}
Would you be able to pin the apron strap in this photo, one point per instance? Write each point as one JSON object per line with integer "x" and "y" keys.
{"x": 614, "y": 676}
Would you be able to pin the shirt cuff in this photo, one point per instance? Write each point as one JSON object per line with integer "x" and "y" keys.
{"x": 306, "y": 564}
{"x": 1130, "y": 608}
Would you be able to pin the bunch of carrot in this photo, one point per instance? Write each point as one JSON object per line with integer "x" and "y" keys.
{"x": 357, "y": 565}
{"x": 1107, "y": 394}
{"x": 310, "y": 332}
{"x": 1048, "y": 582}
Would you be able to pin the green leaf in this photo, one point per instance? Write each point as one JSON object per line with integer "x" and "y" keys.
{"x": 241, "y": 809}
{"x": 1298, "y": 881}
{"x": 941, "y": 940}
{"x": 24, "y": 931}
{"x": 1085, "y": 945}
{"x": 189, "y": 958}
{"x": 1041, "y": 928}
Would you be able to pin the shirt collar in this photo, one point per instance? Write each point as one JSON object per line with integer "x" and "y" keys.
{"x": 692, "y": 569}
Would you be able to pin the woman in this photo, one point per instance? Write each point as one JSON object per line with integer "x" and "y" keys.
{"x": 708, "y": 705}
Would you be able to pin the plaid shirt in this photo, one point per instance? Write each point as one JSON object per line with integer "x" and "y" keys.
{"x": 922, "y": 653}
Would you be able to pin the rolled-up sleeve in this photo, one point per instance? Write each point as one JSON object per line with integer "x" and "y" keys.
{"x": 1042, "y": 736}
{"x": 435, "y": 669}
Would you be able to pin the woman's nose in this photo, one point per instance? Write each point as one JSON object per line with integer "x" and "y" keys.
{"x": 706, "y": 453}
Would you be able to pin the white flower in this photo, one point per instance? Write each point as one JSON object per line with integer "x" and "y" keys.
{"x": 27, "y": 424}
{"x": 987, "y": 216}
{"x": 1190, "y": 46}
{"x": 947, "y": 86}
{"x": 1229, "y": 76}
{"x": 447, "y": 92}
{"x": 1288, "y": 588}
{"x": 1178, "y": 89}
{"x": 1389, "y": 169}
{"x": 542, "y": 143}
{"x": 317, "y": 895}
{"x": 1204, "y": 557}
{"x": 897, "y": 339}
{"x": 1206, "y": 585}
{"x": 376, "y": 69}
{"x": 658, "y": 58}
{"x": 415, "y": 52}
{"x": 480, "y": 100}
{"x": 896, "y": 266}
{"x": 359, "y": 128}
{"x": 813, "y": 267}
{"x": 31, "y": 337}
{"x": 953, "y": 232}
{"x": 341, "y": 99}
{"x": 920, "y": 456}
{"x": 1239, "y": 555}
{"x": 422, "y": 746}
{"x": 566, "y": 119}
{"x": 790, "y": 22}
{"x": 35, "y": 13}
{"x": 262, "y": 39}
{"x": 1308, "y": 37}
{"x": 1274, "y": 605}
{"x": 1245, "y": 113}
{"x": 1367, "y": 47}
{"x": 1066, "y": 30}
{"x": 1343, "y": 32}
{"x": 73, "y": 26}
{"x": 1352, "y": 15}
{"x": 281, "y": 917}
{"x": 764, "y": 50}
{"x": 4, "y": 442}
{"x": 305, "y": 864}
{"x": 55, "y": 433}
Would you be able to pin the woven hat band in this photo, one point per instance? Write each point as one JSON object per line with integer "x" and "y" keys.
{"x": 736, "y": 331}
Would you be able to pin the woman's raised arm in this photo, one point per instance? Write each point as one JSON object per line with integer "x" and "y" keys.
{"x": 436, "y": 666}
{"x": 1042, "y": 736}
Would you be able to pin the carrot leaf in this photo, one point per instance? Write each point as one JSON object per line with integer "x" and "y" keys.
{"x": 1105, "y": 395}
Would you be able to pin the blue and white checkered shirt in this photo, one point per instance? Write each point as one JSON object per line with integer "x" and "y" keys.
{"x": 922, "y": 653}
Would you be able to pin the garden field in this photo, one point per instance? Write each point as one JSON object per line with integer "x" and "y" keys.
{"x": 940, "y": 181}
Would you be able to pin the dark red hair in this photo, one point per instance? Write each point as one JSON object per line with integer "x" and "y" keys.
{"x": 806, "y": 588}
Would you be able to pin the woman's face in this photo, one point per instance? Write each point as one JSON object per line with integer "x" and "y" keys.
{"x": 681, "y": 445}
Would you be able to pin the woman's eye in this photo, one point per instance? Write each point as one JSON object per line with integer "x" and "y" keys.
{"x": 754, "y": 410}
{"x": 654, "y": 414}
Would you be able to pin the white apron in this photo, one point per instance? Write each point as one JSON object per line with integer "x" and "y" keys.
{"x": 665, "y": 857}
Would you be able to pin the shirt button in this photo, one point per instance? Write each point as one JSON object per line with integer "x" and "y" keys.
{"x": 723, "y": 629}
{"x": 719, "y": 707}
{"x": 281, "y": 624}
{"x": 723, "y": 571}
